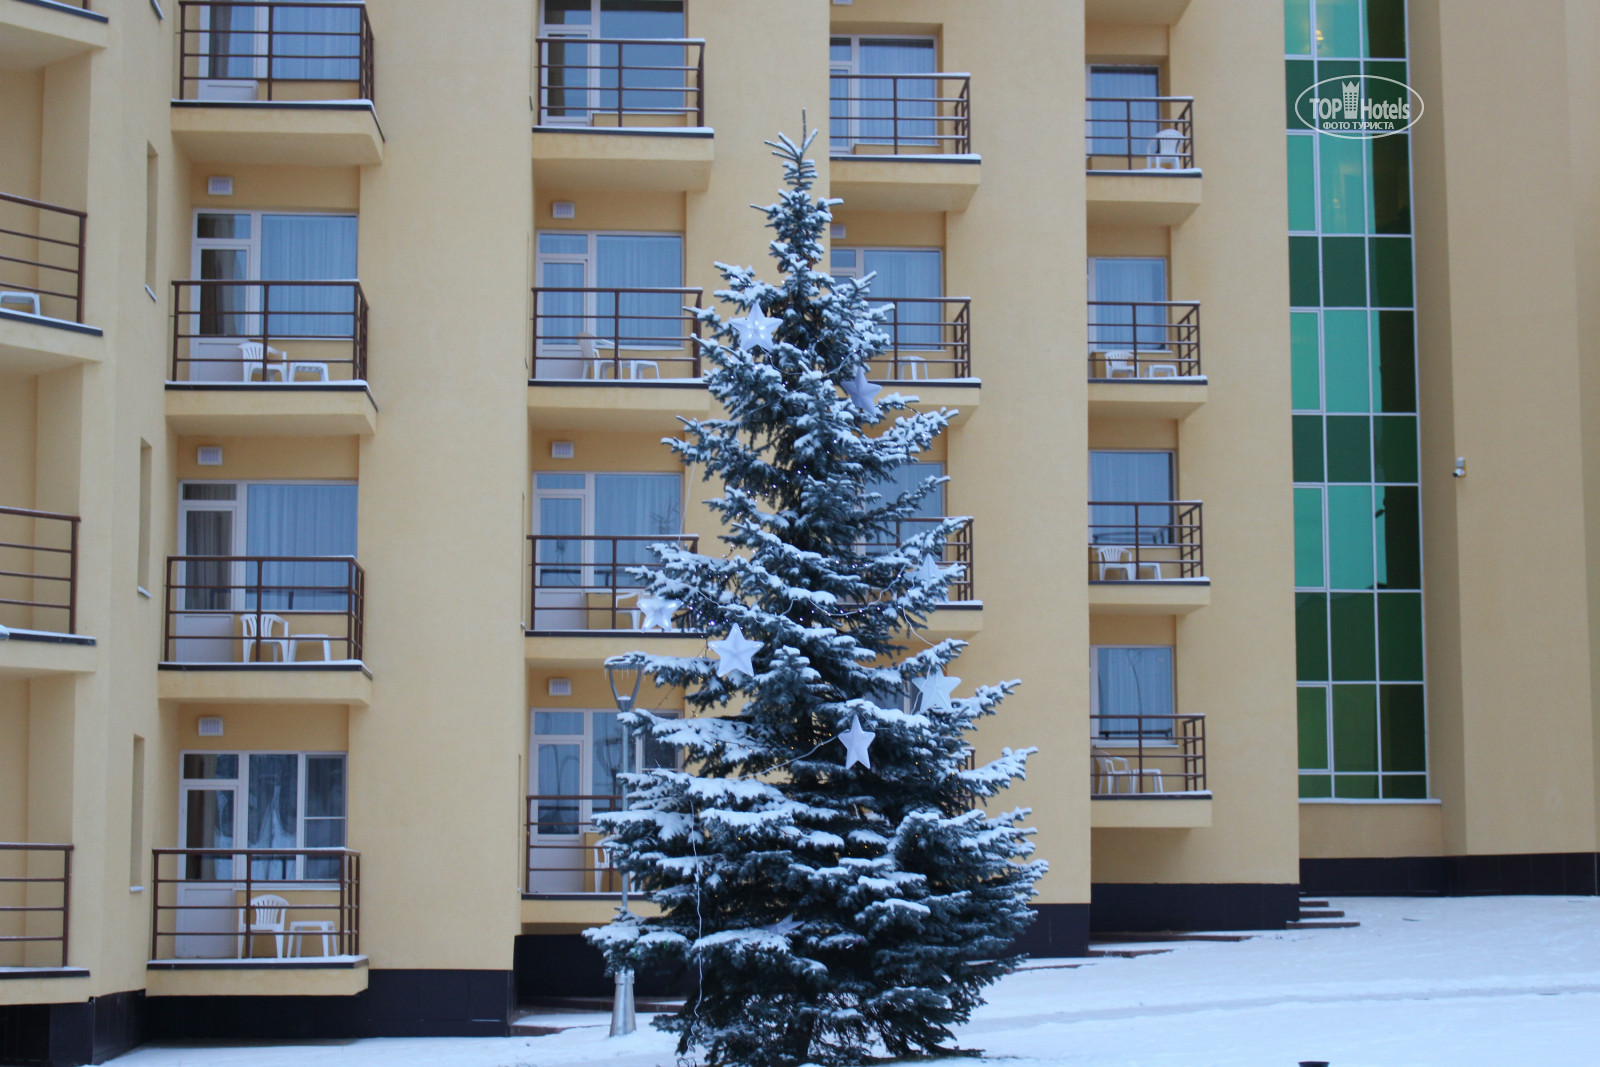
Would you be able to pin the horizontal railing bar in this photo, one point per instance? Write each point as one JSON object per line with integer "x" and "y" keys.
{"x": 621, "y": 40}
{"x": 26, "y": 202}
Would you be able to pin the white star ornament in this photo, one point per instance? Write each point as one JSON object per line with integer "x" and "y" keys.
{"x": 855, "y": 742}
{"x": 860, "y": 391}
{"x": 756, "y": 328}
{"x": 936, "y": 690}
{"x": 734, "y": 652}
{"x": 658, "y": 612}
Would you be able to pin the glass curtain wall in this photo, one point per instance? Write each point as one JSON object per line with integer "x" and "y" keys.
{"x": 1358, "y": 537}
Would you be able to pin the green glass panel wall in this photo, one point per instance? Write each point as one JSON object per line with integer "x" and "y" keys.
{"x": 1350, "y": 537}
{"x": 1400, "y": 637}
{"x": 1344, "y": 185}
{"x": 1312, "y": 704}
{"x": 1391, "y": 184}
{"x": 1308, "y": 537}
{"x": 1306, "y": 374}
{"x": 1297, "y": 27}
{"x": 1311, "y": 636}
{"x": 1352, "y": 641}
{"x": 1339, "y": 27}
{"x": 1394, "y": 448}
{"x": 1302, "y": 182}
{"x": 1386, "y": 28}
{"x": 1305, "y": 276}
{"x": 1349, "y": 448}
{"x": 1405, "y": 745}
{"x": 1390, "y": 262}
{"x": 1355, "y": 727}
{"x": 1344, "y": 272}
{"x": 1344, "y": 353}
{"x": 1308, "y": 448}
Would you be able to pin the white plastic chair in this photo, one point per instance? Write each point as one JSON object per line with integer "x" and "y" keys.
{"x": 1166, "y": 151}
{"x": 1162, "y": 370}
{"x": 1122, "y": 363}
{"x": 635, "y": 615}
{"x": 268, "y": 919}
{"x": 30, "y": 299}
{"x": 254, "y": 356}
{"x": 301, "y": 927}
{"x": 1120, "y": 778}
{"x": 318, "y": 371}
{"x": 589, "y": 351}
{"x": 915, "y": 367}
{"x": 269, "y": 624}
{"x": 1116, "y": 557}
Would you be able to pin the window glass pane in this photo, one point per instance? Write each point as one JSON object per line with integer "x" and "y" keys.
{"x": 556, "y": 770}
{"x": 1394, "y": 448}
{"x": 1344, "y": 356}
{"x": 564, "y": 244}
{"x": 1131, "y": 684}
{"x": 1355, "y": 786}
{"x": 1399, "y": 537}
{"x": 1339, "y": 28}
{"x": 1302, "y": 183}
{"x": 1344, "y": 184}
{"x": 1394, "y": 371}
{"x": 633, "y": 505}
{"x": 1344, "y": 272}
{"x": 1352, "y": 645}
{"x": 301, "y": 520}
{"x": 1400, "y": 637}
{"x": 1405, "y": 745}
{"x": 560, "y": 552}
{"x": 1350, "y": 537}
{"x": 566, "y": 12}
{"x": 1391, "y": 184}
{"x": 641, "y": 18}
{"x": 1312, "y": 707}
{"x": 316, "y": 43}
{"x": 1297, "y": 27}
{"x": 1123, "y": 117}
{"x": 210, "y": 765}
{"x": 309, "y": 248}
{"x": 1298, "y": 74}
{"x": 569, "y": 723}
{"x": 209, "y": 224}
{"x": 839, "y": 50}
{"x": 908, "y": 276}
{"x": 558, "y": 481}
{"x": 1308, "y": 538}
{"x": 1316, "y": 786}
{"x": 1355, "y": 727}
{"x": 1129, "y": 477}
{"x": 208, "y": 820}
{"x": 271, "y": 813}
{"x": 1304, "y": 285}
{"x": 606, "y": 754}
{"x": 1349, "y": 448}
{"x": 1306, "y": 376}
{"x": 325, "y": 787}
{"x": 1386, "y": 28}
{"x": 1405, "y": 787}
{"x": 204, "y": 491}
{"x": 1308, "y": 448}
{"x": 1311, "y": 636}
{"x": 1391, "y": 272}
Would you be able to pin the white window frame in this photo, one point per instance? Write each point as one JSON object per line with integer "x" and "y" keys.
{"x": 1166, "y": 271}
{"x": 241, "y": 817}
{"x": 252, "y": 244}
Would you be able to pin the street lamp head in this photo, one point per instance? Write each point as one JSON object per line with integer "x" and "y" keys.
{"x": 625, "y": 678}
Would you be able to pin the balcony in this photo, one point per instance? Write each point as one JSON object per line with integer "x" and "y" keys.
{"x": 41, "y": 288}
{"x": 930, "y": 354}
{"x": 234, "y": 921}
{"x": 584, "y": 603}
{"x": 902, "y": 142}
{"x": 1144, "y": 359}
{"x": 1146, "y": 557}
{"x": 41, "y": 32}
{"x": 565, "y": 856}
{"x": 39, "y": 596}
{"x": 284, "y": 83}
{"x": 280, "y": 358}
{"x": 621, "y": 114}
{"x": 35, "y": 909}
{"x": 1153, "y": 766}
{"x": 1140, "y": 160}
{"x": 264, "y": 630}
{"x": 962, "y": 613}
{"x": 616, "y": 359}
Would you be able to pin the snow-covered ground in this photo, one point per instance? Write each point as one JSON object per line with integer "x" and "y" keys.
{"x": 1472, "y": 982}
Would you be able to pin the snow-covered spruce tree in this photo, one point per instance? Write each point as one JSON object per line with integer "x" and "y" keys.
{"x": 826, "y": 912}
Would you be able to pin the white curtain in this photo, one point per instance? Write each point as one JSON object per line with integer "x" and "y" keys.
{"x": 231, "y": 42}
{"x": 1119, "y": 128}
{"x": 301, "y": 520}
{"x": 642, "y": 90}
{"x": 1129, "y": 281}
{"x": 633, "y": 504}
{"x": 309, "y": 248}
{"x": 639, "y": 261}
{"x": 908, "y": 272}
{"x": 878, "y": 109}
{"x": 1130, "y": 682}
{"x": 270, "y": 811}
{"x": 1127, "y": 477}
{"x": 317, "y": 43}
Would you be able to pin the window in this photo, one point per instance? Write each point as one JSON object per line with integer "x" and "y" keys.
{"x": 152, "y": 203}
{"x": 910, "y": 278}
{"x": 1130, "y": 688}
{"x": 136, "y": 816}
{"x": 1119, "y": 482}
{"x": 1128, "y": 293}
{"x": 320, "y": 42}
{"x": 145, "y": 475}
{"x": 581, "y": 506}
{"x": 928, "y": 509}
{"x": 870, "y": 108}
{"x": 1123, "y": 114}
{"x": 579, "y": 278}
{"x": 581, "y": 78}
{"x": 262, "y": 800}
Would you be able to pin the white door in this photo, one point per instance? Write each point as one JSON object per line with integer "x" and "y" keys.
{"x": 560, "y": 838}
{"x": 207, "y": 921}
{"x": 224, "y": 316}
{"x": 233, "y": 51}
{"x": 208, "y": 590}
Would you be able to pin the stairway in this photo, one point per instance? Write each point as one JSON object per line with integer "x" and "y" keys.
{"x": 1316, "y": 915}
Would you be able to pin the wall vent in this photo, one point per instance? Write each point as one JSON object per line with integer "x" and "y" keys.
{"x": 217, "y": 185}
{"x": 209, "y": 456}
{"x": 210, "y": 726}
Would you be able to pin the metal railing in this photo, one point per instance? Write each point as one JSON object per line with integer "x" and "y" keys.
{"x": 957, "y": 550}
{"x": 222, "y": 902}
{"x": 1136, "y": 540}
{"x": 900, "y": 114}
{"x": 1140, "y": 133}
{"x": 22, "y": 570}
{"x": 34, "y": 913}
{"x": 616, "y": 81}
{"x": 1144, "y": 755}
{"x": 232, "y": 50}
{"x": 1146, "y": 339}
{"x": 253, "y": 331}
{"x": 583, "y": 583}
{"x": 41, "y": 258}
{"x": 565, "y": 853}
{"x": 581, "y": 332}
{"x": 931, "y": 339}
{"x": 263, "y": 609}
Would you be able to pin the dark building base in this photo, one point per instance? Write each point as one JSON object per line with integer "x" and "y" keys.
{"x": 1137, "y": 907}
{"x": 66, "y": 1035}
{"x": 561, "y": 966}
{"x": 1059, "y": 930}
{"x": 1536, "y": 873}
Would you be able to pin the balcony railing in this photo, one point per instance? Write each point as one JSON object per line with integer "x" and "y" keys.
{"x": 638, "y": 334}
{"x": 1140, "y": 133}
{"x": 583, "y": 583}
{"x": 615, "y": 82}
{"x": 931, "y": 339}
{"x": 1144, "y": 339}
{"x": 565, "y": 854}
{"x": 269, "y": 332}
{"x": 957, "y": 550}
{"x": 900, "y": 114}
{"x": 1141, "y": 540}
{"x": 1147, "y": 755}
{"x": 233, "y": 50}
{"x": 35, "y": 904}
{"x": 263, "y": 609}
{"x": 41, "y": 258}
{"x": 251, "y": 903}
{"x": 38, "y": 570}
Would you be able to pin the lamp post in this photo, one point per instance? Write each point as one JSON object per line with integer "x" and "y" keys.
{"x": 624, "y": 679}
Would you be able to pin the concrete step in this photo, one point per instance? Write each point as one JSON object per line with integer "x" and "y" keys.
{"x": 1169, "y": 935}
{"x": 1320, "y": 913}
{"x": 1125, "y": 953}
{"x": 1320, "y": 924}
{"x": 1307, "y": 902}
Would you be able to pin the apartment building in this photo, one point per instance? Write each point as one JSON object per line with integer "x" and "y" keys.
{"x": 337, "y": 342}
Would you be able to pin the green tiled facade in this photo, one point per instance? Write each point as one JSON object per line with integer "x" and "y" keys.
{"x": 1357, "y": 507}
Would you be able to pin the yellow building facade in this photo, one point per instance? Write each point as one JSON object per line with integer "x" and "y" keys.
{"x": 337, "y": 342}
